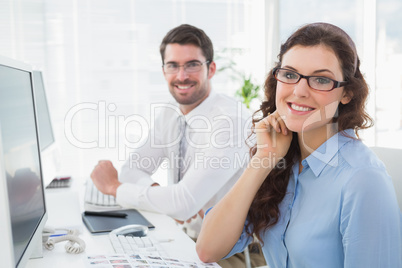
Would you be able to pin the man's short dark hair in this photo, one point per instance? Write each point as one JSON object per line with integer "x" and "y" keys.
{"x": 187, "y": 34}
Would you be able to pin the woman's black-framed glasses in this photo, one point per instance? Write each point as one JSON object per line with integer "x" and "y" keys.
{"x": 320, "y": 83}
{"x": 189, "y": 67}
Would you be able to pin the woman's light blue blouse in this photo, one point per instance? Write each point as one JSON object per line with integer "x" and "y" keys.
{"x": 340, "y": 211}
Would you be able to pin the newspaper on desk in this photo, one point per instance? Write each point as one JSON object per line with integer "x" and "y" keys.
{"x": 140, "y": 261}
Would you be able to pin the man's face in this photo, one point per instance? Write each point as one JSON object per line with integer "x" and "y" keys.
{"x": 188, "y": 88}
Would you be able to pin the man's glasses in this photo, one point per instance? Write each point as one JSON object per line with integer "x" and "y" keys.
{"x": 320, "y": 83}
{"x": 189, "y": 67}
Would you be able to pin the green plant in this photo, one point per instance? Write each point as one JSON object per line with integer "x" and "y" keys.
{"x": 248, "y": 91}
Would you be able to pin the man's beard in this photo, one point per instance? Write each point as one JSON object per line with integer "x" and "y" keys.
{"x": 193, "y": 97}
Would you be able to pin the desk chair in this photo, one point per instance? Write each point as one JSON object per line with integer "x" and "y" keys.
{"x": 247, "y": 257}
{"x": 392, "y": 159}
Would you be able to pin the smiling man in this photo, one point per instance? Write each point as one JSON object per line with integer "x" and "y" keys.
{"x": 188, "y": 74}
{"x": 202, "y": 136}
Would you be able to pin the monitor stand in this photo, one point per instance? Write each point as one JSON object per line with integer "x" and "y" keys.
{"x": 38, "y": 251}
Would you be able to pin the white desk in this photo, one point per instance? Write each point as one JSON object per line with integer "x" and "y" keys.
{"x": 182, "y": 247}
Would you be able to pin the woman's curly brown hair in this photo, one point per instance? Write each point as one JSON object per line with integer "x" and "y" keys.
{"x": 264, "y": 210}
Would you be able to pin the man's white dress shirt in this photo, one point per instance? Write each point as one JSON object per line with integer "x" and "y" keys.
{"x": 215, "y": 156}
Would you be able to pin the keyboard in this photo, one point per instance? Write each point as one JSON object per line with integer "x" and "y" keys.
{"x": 145, "y": 245}
{"x": 96, "y": 200}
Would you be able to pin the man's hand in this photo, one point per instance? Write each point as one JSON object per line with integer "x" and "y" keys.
{"x": 200, "y": 213}
{"x": 104, "y": 177}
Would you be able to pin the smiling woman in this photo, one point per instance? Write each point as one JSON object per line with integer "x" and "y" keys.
{"x": 313, "y": 207}
{"x": 309, "y": 109}
{"x": 374, "y": 26}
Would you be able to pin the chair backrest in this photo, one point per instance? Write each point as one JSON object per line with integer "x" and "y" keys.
{"x": 392, "y": 159}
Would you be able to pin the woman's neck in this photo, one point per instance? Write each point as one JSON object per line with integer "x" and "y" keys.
{"x": 309, "y": 141}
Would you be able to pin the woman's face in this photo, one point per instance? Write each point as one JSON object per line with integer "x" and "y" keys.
{"x": 303, "y": 108}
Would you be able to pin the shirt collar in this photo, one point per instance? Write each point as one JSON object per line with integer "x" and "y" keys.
{"x": 197, "y": 117}
{"x": 203, "y": 107}
{"x": 327, "y": 153}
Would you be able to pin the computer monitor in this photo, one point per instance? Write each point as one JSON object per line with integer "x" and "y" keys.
{"x": 49, "y": 151}
{"x": 46, "y": 136}
{"x": 23, "y": 211}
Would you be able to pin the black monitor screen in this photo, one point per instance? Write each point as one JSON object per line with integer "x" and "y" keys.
{"x": 46, "y": 137}
{"x": 21, "y": 156}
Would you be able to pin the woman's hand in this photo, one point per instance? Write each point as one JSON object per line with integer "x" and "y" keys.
{"x": 224, "y": 223}
{"x": 273, "y": 137}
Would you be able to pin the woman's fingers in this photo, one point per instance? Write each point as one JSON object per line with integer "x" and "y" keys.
{"x": 282, "y": 124}
{"x": 277, "y": 122}
{"x": 274, "y": 122}
{"x": 272, "y": 136}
